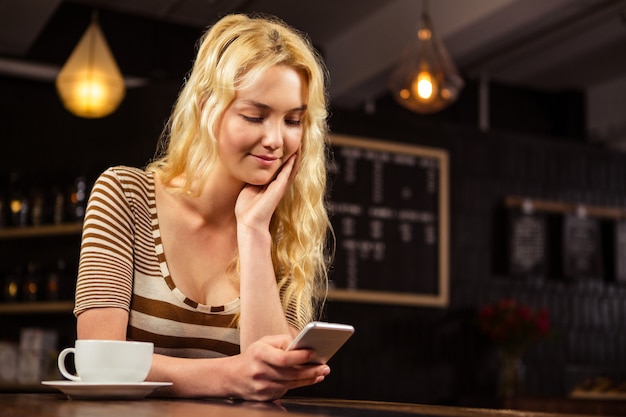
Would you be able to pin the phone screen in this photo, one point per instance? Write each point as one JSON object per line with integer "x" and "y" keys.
{"x": 325, "y": 338}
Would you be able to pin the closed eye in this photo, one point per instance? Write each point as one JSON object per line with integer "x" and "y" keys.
{"x": 289, "y": 122}
{"x": 252, "y": 119}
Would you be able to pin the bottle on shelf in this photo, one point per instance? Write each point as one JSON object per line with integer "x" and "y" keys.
{"x": 18, "y": 202}
{"x": 31, "y": 283}
{"x": 35, "y": 202}
{"x": 37, "y": 211}
{"x": 59, "y": 285}
{"x": 12, "y": 287}
{"x": 78, "y": 199}
{"x": 58, "y": 206}
{"x": 19, "y": 207}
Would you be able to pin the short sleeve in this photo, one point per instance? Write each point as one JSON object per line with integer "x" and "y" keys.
{"x": 105, "y": 270}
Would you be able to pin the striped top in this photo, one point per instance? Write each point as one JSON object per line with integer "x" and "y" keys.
{"x": 122, "y": 264}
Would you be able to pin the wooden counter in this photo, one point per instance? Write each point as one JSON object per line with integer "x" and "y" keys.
{"x": 58, "y": 405}
{"x": 587, "y": 405}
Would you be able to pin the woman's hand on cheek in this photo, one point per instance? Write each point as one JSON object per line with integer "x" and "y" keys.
{"x": 265, "y": 371}
{"x": 256, "y": 204}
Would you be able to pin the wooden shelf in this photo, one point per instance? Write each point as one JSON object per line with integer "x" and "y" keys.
{"x": 382, "y": 297}
{"x": 41, "y": 231}
{"x": 37, "y": 307}
{"x": 561, "y": 207}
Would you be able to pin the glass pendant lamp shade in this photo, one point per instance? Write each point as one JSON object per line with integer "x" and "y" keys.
{"x": 427, "y": 80}
{"x": 90, "y": 83}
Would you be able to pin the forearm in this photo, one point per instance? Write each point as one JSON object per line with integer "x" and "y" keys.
{"x": 261, "y": 309}
{"x": 265, "y": 372}
{"x": 194, "y": 377}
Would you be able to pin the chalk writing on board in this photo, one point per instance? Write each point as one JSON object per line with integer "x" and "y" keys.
{"x": 386, "y": 211}
{"x": 527, "y": 243}
{"x": 582, "y": 248}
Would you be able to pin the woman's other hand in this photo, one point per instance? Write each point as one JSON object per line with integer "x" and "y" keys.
{"x": 256, "y": 203}
{"x": 266, "y": 371}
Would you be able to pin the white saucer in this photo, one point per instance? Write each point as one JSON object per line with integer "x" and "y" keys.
{"x": 100, "y": 390}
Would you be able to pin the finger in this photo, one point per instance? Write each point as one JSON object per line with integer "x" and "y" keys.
{"x": 287, "y": 169}
{"x": 305, "y": 376}
{"x": 302, "y": 372}
{"x": 272, "y": 390}
{"x": 282, "y": 179}
{"x": 280, "y": 341}
{"x": 277, "y": 356}
{"x": 296, "y": 165}
{"x": 281, "y": 358}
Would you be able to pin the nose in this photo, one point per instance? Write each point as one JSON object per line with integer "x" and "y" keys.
{"x": 273, "y": 135}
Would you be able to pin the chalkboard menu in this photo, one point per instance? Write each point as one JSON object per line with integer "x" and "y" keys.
{"x": 389, "y": 210}
{"x": 582, "y": 251}
{"x": 527, "y": 246}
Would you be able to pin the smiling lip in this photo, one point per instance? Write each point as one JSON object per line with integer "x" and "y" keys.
{"x": 266, "y": 159}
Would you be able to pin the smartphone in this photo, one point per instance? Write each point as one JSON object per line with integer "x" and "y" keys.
{"x": 324, "y": 338}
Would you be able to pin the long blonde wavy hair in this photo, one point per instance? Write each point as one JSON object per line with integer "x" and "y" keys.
{"x": 232, "y": 54}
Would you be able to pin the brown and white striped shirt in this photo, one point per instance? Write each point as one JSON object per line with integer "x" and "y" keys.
{"x": 122, "y": 264}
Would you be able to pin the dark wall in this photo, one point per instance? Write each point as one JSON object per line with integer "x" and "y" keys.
{"x": 402, "y": 353}
{"x": 437, "y": 355}
{"x": 39, "y": 138}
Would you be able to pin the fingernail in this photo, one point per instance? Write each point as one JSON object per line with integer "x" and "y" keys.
{"x": 325, "y": 370}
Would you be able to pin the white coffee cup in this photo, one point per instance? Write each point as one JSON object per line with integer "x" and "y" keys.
{"x": 108, "y": 361}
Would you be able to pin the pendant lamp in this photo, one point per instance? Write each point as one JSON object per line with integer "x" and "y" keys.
{"x": 427, "y": 80}
{"x": 90, "y": 83}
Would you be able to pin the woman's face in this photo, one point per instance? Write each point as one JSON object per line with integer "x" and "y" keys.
{"x": 262, "y": 127}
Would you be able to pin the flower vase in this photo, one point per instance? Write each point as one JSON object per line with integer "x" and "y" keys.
{"x": 511, "y": 379}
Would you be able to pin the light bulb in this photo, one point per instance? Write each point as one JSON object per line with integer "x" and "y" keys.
{"x": 425, "y": 86}
{"x": 90, "y": 83}
{"x": 424, "y": 34}
{"x": 427, "y": 80}
{"x": 91, "y": 92}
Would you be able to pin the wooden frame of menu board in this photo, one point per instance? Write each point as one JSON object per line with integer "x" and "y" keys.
{"x": 390, "y": 213}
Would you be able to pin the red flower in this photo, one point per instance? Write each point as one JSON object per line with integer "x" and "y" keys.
{"x": 486, "y": 312}
{"x": 511, "y": 326}
{"x": 524, "y": 313}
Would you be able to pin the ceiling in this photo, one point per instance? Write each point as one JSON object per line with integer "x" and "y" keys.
{"x": 556, "y": 44}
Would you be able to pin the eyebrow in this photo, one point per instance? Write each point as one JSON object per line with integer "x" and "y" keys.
{"x": 267, "y": 107}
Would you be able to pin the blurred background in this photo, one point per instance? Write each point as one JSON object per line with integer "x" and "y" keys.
{"x": 541, "y": 117}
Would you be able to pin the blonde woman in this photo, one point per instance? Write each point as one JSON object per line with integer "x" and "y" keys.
{"x": 217, "y": 252}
